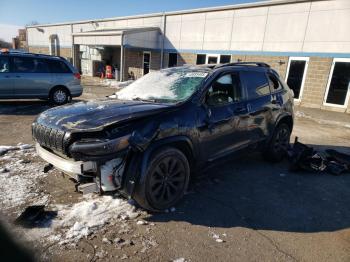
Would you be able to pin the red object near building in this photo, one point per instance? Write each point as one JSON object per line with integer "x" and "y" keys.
{"x": 109, "y": 72}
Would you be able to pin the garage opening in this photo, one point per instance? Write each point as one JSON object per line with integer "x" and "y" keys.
{"x": 339, "y": 83}
{"x": 296, "y": 74}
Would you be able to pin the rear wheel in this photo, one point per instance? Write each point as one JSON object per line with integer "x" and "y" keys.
{"x": 277, "y": 148}
{"x": 167, "y": 178}
{"x": 59, "y": 96}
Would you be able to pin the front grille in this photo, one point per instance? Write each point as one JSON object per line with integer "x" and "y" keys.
{"x": 49, "y": 137}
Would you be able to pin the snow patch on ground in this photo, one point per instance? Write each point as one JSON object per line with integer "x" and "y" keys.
{"x": 19, "y": 176}
{"x": 93, "y": 213}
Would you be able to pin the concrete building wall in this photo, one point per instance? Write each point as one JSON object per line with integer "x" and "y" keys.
{"x": 314, "y": 26}
{"x": 298, "y": 27}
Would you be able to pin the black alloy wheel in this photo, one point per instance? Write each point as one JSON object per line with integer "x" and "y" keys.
{"x": 167, "y": 178}
{"x": 278, "y": 146}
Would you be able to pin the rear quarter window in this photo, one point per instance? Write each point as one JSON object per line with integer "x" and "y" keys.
{"x": 57, "y": 66}
{"x": 256, "y": 83}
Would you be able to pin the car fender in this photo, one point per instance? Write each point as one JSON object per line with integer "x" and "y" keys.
{"x": 139, "y": 177}
{"x": 280, "y": 117}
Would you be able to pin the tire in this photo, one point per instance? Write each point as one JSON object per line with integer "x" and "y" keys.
{"x": 60, "y": 96}
{"x": 276, "y": 150}
{"x": 166, "y": 180}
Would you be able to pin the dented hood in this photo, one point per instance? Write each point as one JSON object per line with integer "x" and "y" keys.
{"x": 95, "y": 115}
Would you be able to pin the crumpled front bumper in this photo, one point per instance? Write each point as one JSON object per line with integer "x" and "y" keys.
{"x": 67, "y": 166}
{"x": 110, "y": 172}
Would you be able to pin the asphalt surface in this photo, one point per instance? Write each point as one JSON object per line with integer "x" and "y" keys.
{"x": 261, "y": 211}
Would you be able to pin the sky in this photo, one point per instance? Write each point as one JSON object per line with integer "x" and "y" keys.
{"x": 18, "y": 13}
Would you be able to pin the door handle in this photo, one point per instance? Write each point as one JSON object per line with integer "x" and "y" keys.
{"x": 7, "y": 76}
{"x": 240, "y": 110}
{"x": 18, "y": 76}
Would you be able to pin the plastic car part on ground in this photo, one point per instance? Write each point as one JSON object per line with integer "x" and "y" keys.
{"x": 303, "y": 157}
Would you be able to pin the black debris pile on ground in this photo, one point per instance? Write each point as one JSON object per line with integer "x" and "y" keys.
{"x": 303, "y": 157}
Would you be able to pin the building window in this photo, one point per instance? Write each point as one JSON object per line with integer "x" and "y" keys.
{"x": 296, "y": 73}
{"x": 201, "y": 59}
{"x": 146, "y": 62}
{"x": 224, "y": 59}
{"x": 54, "y": 45}
{"x": 337, "y": 93}
{"x": 172, "y": 60}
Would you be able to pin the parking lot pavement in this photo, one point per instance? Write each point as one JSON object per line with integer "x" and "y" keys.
{"x": 244, "y": 209}
{"x": 16, "y": 116}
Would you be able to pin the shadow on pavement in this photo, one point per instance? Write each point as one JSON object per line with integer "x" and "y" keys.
{"x": 249, "y": 192}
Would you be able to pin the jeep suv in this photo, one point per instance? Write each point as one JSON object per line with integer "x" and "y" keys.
{"x": 28, "y": 76}
{"x": 165, "y": 126}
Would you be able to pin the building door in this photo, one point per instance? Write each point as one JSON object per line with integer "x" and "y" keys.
{"x": 337, "y": 93}
{"x": 212, "y": 59}
{"x": 146, "y": 62}
{"x": 296, "y": 74}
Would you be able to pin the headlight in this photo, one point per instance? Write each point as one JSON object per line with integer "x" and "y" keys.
{"x": 100, "y": 147}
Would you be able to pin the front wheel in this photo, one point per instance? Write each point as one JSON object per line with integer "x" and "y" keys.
{"x": 59, "y": 96}
{"x": 278, "y": 145}
{"x": 166, "y": 181}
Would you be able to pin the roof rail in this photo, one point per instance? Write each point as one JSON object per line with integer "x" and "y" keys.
{"x": 260, "y": 64}
{"x": 28, "y": 53}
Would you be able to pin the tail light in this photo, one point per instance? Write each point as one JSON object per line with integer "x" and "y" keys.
{"x": 77, "y": 76}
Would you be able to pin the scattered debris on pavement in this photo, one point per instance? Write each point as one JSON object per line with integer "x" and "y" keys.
{"x": 303, "y": 157}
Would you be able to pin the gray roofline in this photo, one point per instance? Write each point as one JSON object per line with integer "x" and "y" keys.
{"x": 116, "y": 31}
{"x": 197, "y": 10}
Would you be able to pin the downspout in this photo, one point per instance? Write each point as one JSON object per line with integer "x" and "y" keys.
{"x": 73, "y": 49}
{"x": 121, "y": 77}
{"x": 163, "y": 41}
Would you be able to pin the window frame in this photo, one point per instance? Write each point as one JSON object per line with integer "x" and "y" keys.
{"x": 346, "y": 102}
{"x": 272, "y": 89}
{"x": 205, "y": 58}
{"x": 298, "y": 58}
{"x": 59, "y": 61}
{"x": 9, "y": 59}
{"x": 143, "y": 61}
{"x": 243, "y": 94}
{"x": 246, "y": 88}
{"x": 207, "y": 55}
{"x": 169, "y": 59}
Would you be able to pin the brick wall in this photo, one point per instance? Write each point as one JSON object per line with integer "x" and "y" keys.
{"x": 134, "y": 62}
{"x": 279, "y": 63}
{"x": 316, "y": 81}
{"x": 64, "y": 52}
{"x": 39, "y": 50}
{"x": 186, "y": 58}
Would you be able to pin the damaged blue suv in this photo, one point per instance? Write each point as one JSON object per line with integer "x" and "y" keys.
{"x": 148, "y": 141}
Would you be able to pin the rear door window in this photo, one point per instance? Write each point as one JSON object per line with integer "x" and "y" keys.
{"x": 275, "y": 84}
{"x": 57, "y": 66}
{"x": 29, "y": 65}
{"x": 256, "y": 83}
{"x": 23, "y": 64}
